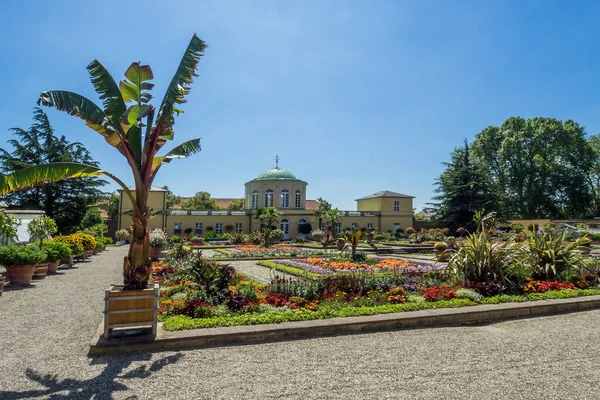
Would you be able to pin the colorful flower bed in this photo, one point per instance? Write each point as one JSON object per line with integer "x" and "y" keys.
{"x": 198, "y": 293}
{"x": 314, "y": 267}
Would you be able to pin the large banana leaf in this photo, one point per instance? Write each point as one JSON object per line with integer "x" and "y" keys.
{"x": 39, "y": 174}
{"x": 179, "y": 87}
{"x": 79, "y": 106}
{"x": 185, "y": 149}
{"x": 107, "y": 88}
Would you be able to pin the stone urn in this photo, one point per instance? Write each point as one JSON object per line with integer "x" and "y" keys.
{"x": 2, "y": 280}
{"x": 155, "y": 252}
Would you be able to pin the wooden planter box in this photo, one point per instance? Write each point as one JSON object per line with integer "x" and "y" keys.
{"x": 130, "y": 308}
{"x": 2, "y": 280}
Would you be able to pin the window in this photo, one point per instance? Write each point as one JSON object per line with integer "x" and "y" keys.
{"x": 396, "y": 206}
{"x": 396, "y": 228}
{"x": 354, "y": 225}
{"x": 301, "y": 221}
{"x": 198, "y": 230}
{"x": 177, "y": 229}
{"x": 269, "y": 198}
{"x": 219, "y": 228}
{"x": 238, "y": 227}
{"x": 369, "y": 225}
{"x": 284, "y": 225}
{"x": 338, "y": 228}
{"x": 255, "y": 199}
{"x": 298, "y": 198}
{"x": 285, "y": 198}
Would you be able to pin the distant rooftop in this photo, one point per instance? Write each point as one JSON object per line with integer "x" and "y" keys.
{"x": 385, "y": 193}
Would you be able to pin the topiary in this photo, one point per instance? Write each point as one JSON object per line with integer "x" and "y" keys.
{"x": 440, "y": 246}
{"x": 88, "y": 241}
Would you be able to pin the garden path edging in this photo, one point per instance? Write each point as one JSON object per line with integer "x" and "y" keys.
{"x": 246, "y": 334}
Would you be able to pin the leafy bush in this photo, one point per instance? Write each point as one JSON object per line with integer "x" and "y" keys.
{"x": 56, "y": 250}
{"x": 359, "y": 257}
{"x": 596, "y": 237}
{"x": 20, "y": 256}
{"x": 87, "y": 240}
{"x": 479, "y": 260}
{"x": 468, "y": 294}
{"x": 74, "y": 242}
{"x": 382, "y": 237}
{"x": 276, "y": 234}
{"x": 121, "y": 234}
{"x": 97, "y": 230}
{"x": 42, "y": 227}
{"x": 552, "y": 257}
{"x": 175, "y": 239}
{"x": 440, "y": 246}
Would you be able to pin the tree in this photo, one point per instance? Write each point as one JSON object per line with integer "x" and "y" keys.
{"x": 539, "y": 167}
{"x": 593, "y": 175}
{"x": 201, "y": 201}
{"x": 111, "y": 206}
{"x": 237, "y": 205}
{"x": 42, "y": 228}
{"x": 92, "y": 217}
{"x": 172, "y": 200}
{"x": 133, "y": 126}
{"x": 65, "y": 201}
{"x": 324, "y": 206}
{"x": 463, "y": 189}
{"x": 268, "y": 218}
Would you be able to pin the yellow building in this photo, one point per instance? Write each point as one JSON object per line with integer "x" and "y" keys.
{"x": 385, "y": 211}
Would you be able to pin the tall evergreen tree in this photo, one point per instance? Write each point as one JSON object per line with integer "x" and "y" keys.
{"x": 463, "y": 188}
{"x": 65, "y": 201}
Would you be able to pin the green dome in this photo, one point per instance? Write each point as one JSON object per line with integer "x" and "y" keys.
{"x": 275, "y": 174}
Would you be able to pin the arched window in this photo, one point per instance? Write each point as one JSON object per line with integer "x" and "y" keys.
{"x": 285, "y": 198}
{"x": 269, "y": 198}
{"x": 298, "y": 198}
{"x": 255, "y": 199}
{"x": 301, "y": 221}
{"x": 284, "y": 225}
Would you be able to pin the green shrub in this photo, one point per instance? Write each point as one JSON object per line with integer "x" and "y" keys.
{"x": 21, "y": 255}
{"x": 276, "y": 234}
{"x": 440, "y": 246}
{"x": 552, "y": 257}
{"x": 479, "y": 260}
{"x": 56, "y": 250}
{"x": 87, "y": 240}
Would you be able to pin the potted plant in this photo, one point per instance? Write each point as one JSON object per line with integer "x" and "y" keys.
{"x": 19, "y": 262}
{"x": 440, "y": 247}
{"x": 8, "y": 229}
{"x": 158, "y": 240}
{"x": 74, "y": 242}
{"x": 56, "y": 251}
{"x": 41, "y": 229}
{"x": 88, "y": 242}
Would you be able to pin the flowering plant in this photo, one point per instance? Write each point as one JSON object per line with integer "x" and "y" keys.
{"x": 158, "y": 238}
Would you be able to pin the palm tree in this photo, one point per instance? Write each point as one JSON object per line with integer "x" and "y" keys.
{"x": 268, "y": 216}
{"x": 133, "y": 126}
{"x": 332, "y": 218}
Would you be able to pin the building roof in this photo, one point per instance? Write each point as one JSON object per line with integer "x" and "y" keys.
{"x": 276, "y": 174}
{"x": 385, "y": 193}
{"x": 152, "y": 188}
{"x": 312, "y": 205}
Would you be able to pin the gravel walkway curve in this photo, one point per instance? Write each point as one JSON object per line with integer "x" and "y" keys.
{"x": 43, "y": 355}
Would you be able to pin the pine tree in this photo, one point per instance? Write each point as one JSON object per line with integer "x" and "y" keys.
{"x": 463, "y": 189}
{"x": 65, "y": 201}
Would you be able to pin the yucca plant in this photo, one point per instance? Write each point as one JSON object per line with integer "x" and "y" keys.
{"x": 553, "y": 256}
{"x": 480, "y": 260}
{"x": 133, "y": 126}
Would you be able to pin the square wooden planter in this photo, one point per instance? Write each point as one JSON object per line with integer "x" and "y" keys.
{"x": 128, "y": 309}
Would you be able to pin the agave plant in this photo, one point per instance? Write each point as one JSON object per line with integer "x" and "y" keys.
{"x": 352, "y": 239}
{"x": 552, "y": 256}
{"x": 268, "y": 217}
{"x": 135, "y": 128}
{"x": 480, "y": 260}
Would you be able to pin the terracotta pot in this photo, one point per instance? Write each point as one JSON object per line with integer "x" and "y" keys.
{"x": 155, "y": 252}
{"x": 41, "y": 270}
{"x": 2, "y": 280}
{"x": 20, "y": 276}
{"x": 95, "y": 251}
{"x": 53, "y": 266}
{"x": 89, "y": 253}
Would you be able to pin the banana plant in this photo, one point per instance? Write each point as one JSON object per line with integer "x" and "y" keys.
{"x": 136, "y": 129}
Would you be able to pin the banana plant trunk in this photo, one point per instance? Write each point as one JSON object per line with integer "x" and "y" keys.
{"x": 137, "y": 266}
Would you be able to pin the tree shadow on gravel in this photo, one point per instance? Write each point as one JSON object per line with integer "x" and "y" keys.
{"x": 100, "y": 387}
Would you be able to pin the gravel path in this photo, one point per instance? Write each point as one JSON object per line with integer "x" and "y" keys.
{"x": 43, "y": 355}
{"x": 254, "y": 271}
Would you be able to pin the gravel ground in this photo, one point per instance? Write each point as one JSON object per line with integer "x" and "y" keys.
{"x": 255, "y": 271}
{"x": 43, "y": 355}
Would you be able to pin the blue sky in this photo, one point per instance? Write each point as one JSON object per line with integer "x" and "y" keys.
{"x": 354, "y": 96}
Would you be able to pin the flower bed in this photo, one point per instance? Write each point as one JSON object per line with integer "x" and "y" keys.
{"x": 198, "y": 292}
{"x": 315, "y": 267}
{"x": 267, "y": 252}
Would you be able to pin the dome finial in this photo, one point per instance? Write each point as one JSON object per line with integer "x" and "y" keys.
{"x": 276, "y": 161}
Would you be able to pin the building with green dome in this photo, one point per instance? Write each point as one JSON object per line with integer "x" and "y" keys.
{"x": 277, "y": 187}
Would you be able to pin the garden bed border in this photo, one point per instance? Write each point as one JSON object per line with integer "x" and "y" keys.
{"x": 247, "y": 334}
